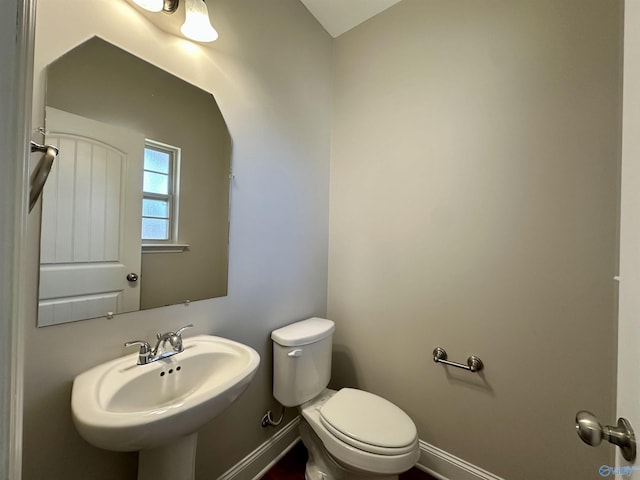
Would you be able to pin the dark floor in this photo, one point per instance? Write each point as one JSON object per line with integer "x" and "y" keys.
{"x": 291, "y": 467}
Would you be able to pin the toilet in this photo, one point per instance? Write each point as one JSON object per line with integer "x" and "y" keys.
{"x": 349, "y": 433}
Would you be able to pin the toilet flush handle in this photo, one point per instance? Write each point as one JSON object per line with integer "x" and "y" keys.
{"x": 295, "y": 353}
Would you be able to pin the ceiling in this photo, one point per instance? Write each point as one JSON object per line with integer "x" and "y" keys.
{"x": 338, "y": 16}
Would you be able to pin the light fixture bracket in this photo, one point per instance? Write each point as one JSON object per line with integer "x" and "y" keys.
{"x": 170, "y": 6}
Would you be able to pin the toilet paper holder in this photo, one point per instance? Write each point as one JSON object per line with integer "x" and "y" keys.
{"x": 474, "y": 364}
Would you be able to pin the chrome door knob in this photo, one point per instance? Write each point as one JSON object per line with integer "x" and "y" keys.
{"x": 589, "y": 428}
{"x": 591, "y": 432}
{"x": 132, "y": 277}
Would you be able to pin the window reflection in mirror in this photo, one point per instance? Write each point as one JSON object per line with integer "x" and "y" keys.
{"x": 160, "y": 193}
{"x": 185, "y": 256}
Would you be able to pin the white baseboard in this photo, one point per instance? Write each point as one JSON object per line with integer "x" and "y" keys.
{"x": 445, "y": 466}
{"x": 433, "y": 460}
{"x": 258, "y": 462}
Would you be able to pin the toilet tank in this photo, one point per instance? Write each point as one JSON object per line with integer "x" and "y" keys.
{"x": 301, "y": 360}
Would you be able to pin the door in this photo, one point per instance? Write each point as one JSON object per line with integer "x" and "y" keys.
{"x": 91, "y": 214}
{"x": 628, "y": 378}
{"x": 629, "y": 303}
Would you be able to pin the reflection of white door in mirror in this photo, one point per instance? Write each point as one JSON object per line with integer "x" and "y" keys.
{"x": 90, "y": 237}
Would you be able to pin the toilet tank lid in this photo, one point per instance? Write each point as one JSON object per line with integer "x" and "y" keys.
{"x": 303, "y": 332}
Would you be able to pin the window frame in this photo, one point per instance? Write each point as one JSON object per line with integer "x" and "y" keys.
{"x": 172, "y": 198}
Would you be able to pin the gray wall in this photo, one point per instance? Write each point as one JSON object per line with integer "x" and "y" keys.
{"x": 474, "y": 178}
{"x": 270, "y": 74}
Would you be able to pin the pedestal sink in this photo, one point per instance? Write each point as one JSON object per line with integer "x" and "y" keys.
{"x": 158, "y": 408}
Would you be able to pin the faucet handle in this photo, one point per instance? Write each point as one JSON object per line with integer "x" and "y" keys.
{"x": 182, "y": 329}
{"x": 143, "y": 345}
{"x": 143, "y": 354}
{"x": 177, "y": 347}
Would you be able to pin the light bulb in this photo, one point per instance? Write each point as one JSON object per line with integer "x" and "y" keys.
{"x": 196, "y": 23}
{"x": 151, "y": 5}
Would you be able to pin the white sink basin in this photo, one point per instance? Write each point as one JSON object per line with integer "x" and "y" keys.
{"x": 122, "y": 406}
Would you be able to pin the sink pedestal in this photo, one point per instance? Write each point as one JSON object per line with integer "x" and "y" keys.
{"x": 174, "y": 461}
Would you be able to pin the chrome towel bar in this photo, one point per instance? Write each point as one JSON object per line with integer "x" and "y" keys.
{"x": 41, "y": 172}
{"x": 474, "y": 364}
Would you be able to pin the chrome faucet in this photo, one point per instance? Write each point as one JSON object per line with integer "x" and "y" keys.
{"x": 148, "y": 355}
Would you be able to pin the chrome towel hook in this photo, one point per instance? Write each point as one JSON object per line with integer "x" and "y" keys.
{"x": 41, "y": 172}
{"x": 474, "y": 364}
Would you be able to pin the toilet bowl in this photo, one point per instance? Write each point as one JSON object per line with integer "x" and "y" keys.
{"x": 349, "y": 433}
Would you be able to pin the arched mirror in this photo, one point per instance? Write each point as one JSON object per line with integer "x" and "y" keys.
{"x": 135, "y": 212}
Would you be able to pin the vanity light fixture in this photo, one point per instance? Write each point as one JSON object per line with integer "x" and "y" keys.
{"x": 196, "y": 26}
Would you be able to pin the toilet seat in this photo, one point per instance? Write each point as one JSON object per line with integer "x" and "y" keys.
{"x": 368, "y": 422}
{"x": 355, "y": 454}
